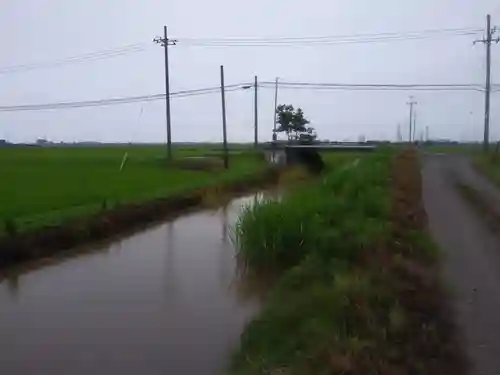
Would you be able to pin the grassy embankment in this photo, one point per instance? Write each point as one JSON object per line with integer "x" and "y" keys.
{"x": 46, "y": 186}
{"x": 489, "y": 165}
{"x": 358, "y": 291}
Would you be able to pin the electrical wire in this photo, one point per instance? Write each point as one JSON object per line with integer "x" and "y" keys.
{"x": 381, "y": 89}
{"x": 308, "y": 43}
{"x": 344, "y": 36}
{"x": 372, "y": 87}
{"x": 323, "y": 40}
{"x": 117, "y": 101}
{"x": 92, "y": 56}
{"x": 245, "y": 86}
{"x": 282, "y": 41}
{"x": 328, "y": 84}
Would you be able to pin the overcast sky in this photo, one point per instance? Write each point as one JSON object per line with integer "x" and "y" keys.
{"x": 35, "y": 31}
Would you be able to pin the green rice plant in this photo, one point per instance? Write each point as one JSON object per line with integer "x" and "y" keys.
{"x": 46, "y": 186}
{"x": 277, "y": 234}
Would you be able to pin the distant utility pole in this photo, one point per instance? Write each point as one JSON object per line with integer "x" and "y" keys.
{"x": 224, "y": 129}
{"x": 165, "y": 42}
{"x": 488, "y": 40}
{"x": 414, "y": 125}
{"x": 411, "y": 103}
{"x": 399, "y": 137}
{"x": 275, "y": 109}
{"x": 256, "y": 115}
{"x": 427, "y": 134}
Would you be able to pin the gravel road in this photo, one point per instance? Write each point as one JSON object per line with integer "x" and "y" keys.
{"x": 471, "y": 265}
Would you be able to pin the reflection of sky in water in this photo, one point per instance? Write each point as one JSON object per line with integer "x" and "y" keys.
{"x": 161, "y": 301}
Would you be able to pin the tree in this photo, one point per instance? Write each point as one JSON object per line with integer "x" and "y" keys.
{"x": 293, "y": 123}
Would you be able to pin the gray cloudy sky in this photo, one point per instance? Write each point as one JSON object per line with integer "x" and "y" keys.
{"x": 34, "y": 31}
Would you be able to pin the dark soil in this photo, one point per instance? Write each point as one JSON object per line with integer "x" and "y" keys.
{"x": 431, "y": 342}
{"x": 425, "y": 340}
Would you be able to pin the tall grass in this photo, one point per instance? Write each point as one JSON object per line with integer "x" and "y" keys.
{"x": 325, "y": 310}
{"x": 336, "y": 217}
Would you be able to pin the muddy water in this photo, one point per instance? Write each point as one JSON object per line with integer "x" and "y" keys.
{"x": 164, "y": 301}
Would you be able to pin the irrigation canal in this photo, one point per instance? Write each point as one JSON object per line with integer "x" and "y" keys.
{"x": 163, "y": 301}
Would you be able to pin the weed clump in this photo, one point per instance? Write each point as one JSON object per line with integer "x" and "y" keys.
{"x": 335, "y": 218}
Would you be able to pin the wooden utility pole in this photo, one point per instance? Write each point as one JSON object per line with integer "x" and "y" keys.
{"x": 256, "y": 115}
{"x": 165, "y": 42}
{"x": 414, "y": 125}
{"x": 224, "y": 130}
{"x": 275, "y": 109}
{"x": 487, "y": 41}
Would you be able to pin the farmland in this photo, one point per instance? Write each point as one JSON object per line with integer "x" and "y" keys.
{"x": 42, "y": 186}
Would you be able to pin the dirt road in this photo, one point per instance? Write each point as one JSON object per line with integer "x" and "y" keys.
{"x": 471, "y": 265}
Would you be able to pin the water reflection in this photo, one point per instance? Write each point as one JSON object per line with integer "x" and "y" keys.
{"x": 170, "y": 277}
{"x": 226, "y": 253}
{"x": 162, "y": 301}
{"x": 13, "y": 283}
{"x": 225, "y": 224}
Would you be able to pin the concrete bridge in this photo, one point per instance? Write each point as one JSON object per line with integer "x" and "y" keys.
{"x": 320, "y": 147}
{"x": 308, "y": 155}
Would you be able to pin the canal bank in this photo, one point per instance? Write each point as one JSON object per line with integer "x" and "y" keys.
{"x": 48, "y": 241}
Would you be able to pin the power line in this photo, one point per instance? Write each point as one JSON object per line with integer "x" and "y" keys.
{"x": 330, "y": 37}
{"x": 281, "y": 41}
{"x": 323, "y": 40}
{"x": 242, "y": 86}
{"x": 117, "y": 101}
{"x": 92, "y": 56}
{"x": 332, "y": 84}
{"x": 379, "y": 88}
{"x": 307, "y": 43}
{"x": 367, "y": 87}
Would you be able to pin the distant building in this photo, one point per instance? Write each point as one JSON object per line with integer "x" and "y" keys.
{"x": 41, "y": 142}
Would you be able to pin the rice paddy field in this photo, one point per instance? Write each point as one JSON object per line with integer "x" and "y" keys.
{"x": 42, "y": 185}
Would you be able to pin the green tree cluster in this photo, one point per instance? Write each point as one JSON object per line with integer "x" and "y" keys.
{"x": 293, "y": 122}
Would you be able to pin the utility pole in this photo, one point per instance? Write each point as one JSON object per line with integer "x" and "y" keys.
{"x": 256, "y": 116}
{"x": 165, "y": 42}
{"x": 275, "y": 109}
{"x": 411, "y": 103}
{"x": 224, "y": 130}
{"x": 488, "y": 40}
{"x": 414, "y": 125}
{"x": 427, "y": 134}
{"x": 399, "y": 137}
